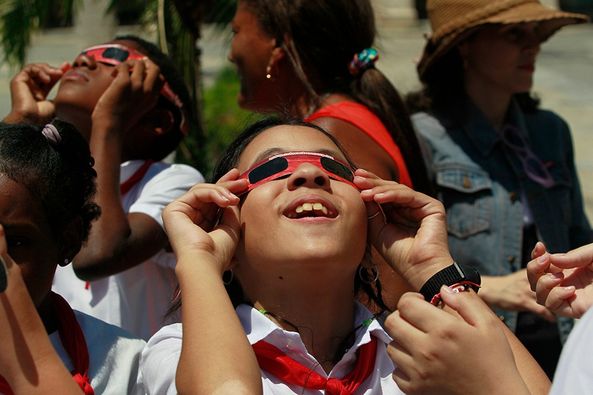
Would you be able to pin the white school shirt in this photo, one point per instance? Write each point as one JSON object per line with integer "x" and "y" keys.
{"x": 160, "y": 357}
{"x": 138, "y": 298}
{"x": 114, "y": 356}
{"x": 574, "y": 373}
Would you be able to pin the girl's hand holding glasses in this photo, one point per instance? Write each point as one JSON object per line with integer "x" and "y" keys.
{"x": 412, "y": 233}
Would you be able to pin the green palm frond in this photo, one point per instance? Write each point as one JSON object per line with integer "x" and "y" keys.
{"x": 20, "y": 18}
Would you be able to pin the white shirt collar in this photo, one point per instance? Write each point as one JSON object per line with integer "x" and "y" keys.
{"x": 259, "y": 327}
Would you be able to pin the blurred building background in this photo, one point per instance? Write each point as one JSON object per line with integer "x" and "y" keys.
{"x": 563, "y": 79}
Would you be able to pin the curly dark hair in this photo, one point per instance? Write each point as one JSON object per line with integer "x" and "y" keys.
{"x": 60, "y": 175}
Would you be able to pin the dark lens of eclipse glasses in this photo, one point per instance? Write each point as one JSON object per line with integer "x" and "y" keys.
{"x": 336, "y": 168}
{"x": 116, "y": 53}
{"x": 268, "y": 169}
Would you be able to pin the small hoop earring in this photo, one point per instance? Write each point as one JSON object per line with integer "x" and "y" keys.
{"x": 230, "y": 275}
{"x": 374, "y": 215}
{"x": 363, "y": 274}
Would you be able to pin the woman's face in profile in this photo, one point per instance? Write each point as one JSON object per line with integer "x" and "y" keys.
{"x": 305, "y": 216}
{"x": 502, "y": 58}
{"x": 251, "y": 51}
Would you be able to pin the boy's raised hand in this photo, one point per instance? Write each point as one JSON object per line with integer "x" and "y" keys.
{"x": 412, "y": 233}
{"x": 29, "y": 89}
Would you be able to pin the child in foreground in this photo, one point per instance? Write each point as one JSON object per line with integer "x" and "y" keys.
{"x": 270, "y": 260}
{"x": 47, "y": 184}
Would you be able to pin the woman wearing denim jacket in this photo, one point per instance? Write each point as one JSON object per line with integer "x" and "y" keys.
{"x": 503, "y": 168}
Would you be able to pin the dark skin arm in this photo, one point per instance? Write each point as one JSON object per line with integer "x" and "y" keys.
{"x": 28, "y": 360}
{"x": 118, "y": 240}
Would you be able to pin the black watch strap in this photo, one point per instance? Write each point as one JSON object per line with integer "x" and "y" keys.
{"x": 450, "y": 275}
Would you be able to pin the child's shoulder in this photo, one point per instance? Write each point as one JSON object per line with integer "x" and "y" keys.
{"x": 166, "y": 170}
{"x": 96, "y": 330}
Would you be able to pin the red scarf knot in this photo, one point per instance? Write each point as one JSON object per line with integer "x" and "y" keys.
{"x": 274, "y": 361}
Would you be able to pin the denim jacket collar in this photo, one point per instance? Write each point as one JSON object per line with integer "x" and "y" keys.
{"x": 481, "y": 133}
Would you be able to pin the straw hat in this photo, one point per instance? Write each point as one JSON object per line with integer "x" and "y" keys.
{"x": 454, "y": 20}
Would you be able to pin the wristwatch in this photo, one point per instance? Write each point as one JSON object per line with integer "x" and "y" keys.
{"x": 455, "y": 274}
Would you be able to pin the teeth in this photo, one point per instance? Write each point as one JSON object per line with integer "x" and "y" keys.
{"x": 311, "y": 207}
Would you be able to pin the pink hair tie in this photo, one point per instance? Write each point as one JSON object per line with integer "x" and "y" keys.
{"x": 50, "y": 132}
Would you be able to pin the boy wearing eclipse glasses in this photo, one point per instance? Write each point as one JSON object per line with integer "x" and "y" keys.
{"x": 126, "y": 98}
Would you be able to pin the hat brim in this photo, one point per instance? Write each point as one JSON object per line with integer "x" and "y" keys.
{"x": 523, "y": 13}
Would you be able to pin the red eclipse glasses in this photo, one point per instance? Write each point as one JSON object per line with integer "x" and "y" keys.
{"x": 284, "y": 164}
{"x": 114, "y": 54}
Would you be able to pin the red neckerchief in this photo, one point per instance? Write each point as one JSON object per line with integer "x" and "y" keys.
{"x": 126, "y": 186}
{"x": 74, "y": 343}
{"x": 134, "y": 178}
{"x": 289, "y": 371}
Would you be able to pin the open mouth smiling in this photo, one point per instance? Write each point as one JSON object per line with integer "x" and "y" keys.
{"x": 311, "y": 208}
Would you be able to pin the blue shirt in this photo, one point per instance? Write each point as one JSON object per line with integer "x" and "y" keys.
{"x": 484, "y": 187}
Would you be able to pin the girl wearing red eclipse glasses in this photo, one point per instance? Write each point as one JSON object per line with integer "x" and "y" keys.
{"x": 270, "y": 260}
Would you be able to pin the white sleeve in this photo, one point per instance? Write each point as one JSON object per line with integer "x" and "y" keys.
{"x": 170, "y": 183}
{"x": 158, "y": 363}
{"x": 574, "y": 374}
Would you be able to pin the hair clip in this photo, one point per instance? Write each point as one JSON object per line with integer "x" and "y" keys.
{"x": 363, "y": 60}
{"x": 50, "y": 132}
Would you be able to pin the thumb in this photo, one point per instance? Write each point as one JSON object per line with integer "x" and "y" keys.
{"x": 467, "y": 304}
{"x": 579, "y": 257}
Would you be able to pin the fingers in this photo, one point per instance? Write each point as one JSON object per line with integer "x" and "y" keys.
{"x": 400, "y": 204}
{"x": 402, "y": 328}
{"x": 227, "y": 233}
{"x": 145, "y": 76}
{"x": 578, "y": 257}
{"x": 553, "y": 296}
{"x": 538, "y": 250}
{"x": 202, "y": 202}
{"x": 422, "y": 315}
{"x": 545, "y": 284}
{"x": 468, "y": 305}
{"x": 537, "y": 267}
{"x": 41, "y": 73}
{"x": 560, "y": 301}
